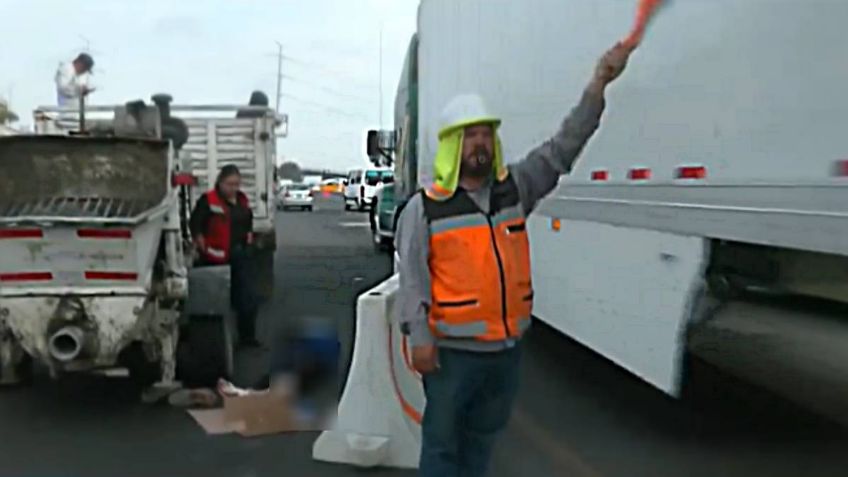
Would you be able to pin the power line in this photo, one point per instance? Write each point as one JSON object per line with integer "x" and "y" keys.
{"x": 327, "y": 89}
{"x": 325, "y": 107}
{"x": 309, "y": 64}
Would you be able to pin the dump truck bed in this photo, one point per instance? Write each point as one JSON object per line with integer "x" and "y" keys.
{"x": 59, "y": 178}
{"x": 81, "y": 215}
{"x": 217, "y": 137}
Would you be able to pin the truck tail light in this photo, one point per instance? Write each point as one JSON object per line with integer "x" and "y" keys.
{"x": 26, "y": 277}
{"x": 183, "y": 179}
{"x": 21, "y": 233}
{"x": 111, "y": 276}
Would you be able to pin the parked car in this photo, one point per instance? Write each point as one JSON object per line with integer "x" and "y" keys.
{"x": 297, "y": 196}
{"x": 362, "y": 184}
{"x": 332, "y": 186}
{"x": 383, "y": 217}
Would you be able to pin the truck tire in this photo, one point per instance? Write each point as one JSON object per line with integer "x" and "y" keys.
{"x": 208, "y": 353}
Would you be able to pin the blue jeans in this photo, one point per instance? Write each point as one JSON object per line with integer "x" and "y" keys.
{"x": 469, "y": 399}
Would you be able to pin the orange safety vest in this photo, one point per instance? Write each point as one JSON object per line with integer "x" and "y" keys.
{"x": 479, "y": 266}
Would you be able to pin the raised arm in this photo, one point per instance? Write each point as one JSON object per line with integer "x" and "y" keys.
{"x": 539, "y": 172}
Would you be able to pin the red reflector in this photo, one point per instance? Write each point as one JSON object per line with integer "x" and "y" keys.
{"x": 111, "y": 276}
{"x": 104, "y": 233}
{"x": 600, "y": 175}
{"x": 695, "y": 172}
{"x": 640, "y": 174}
{"x": 21, "y": 233}
{"x": 183, "y": 179}
{"x": 842, "y": 168}
{"x": 26, "y": 277}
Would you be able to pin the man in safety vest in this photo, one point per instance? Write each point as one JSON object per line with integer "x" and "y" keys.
{"x": 464, "y": 262}
{"x": 222, "y": 229}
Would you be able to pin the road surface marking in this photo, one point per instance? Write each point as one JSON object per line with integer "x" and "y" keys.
{"x": 354, "y": 224}
{"x": 564, "y": 457}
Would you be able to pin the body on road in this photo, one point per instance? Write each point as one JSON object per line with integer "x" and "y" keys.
{"x": 464, "y": 264}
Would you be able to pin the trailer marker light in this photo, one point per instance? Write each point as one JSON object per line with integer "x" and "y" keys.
{"x": 841, "y": 169}
{"x": 26, "y": 277}
{"x": 639, "y": 174}
{"x": 114, "y": 276}
{"x": 556, "y": 225}
{"x": 21, "y": 233}
{"x": 600, "y": 175}
{"x": 691, "y": 172}
{"x": 104, "y": 233}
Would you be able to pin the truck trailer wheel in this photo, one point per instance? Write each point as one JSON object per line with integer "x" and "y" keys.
{"x": 207, "y": 353}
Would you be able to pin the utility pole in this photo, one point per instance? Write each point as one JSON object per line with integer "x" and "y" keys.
{"x": 279, "y": 74}
{"x": 381, "y": 75}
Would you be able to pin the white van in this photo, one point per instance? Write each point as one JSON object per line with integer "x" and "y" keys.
{"x": 362, "y": 184}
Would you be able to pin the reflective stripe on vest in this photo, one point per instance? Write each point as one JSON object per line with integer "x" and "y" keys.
{"x": 216, "y": 253}
{"x": 479, "y": 267}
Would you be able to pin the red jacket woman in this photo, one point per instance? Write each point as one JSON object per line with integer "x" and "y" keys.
{"x": 222, "y": 228}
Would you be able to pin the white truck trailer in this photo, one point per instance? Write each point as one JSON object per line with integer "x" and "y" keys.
{"x": 705, "y": 217}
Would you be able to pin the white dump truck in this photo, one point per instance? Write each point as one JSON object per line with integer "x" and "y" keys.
{"x": 708, "y": 216}
{"x": 95, "y": 260}
{"x": 245, "y": 136}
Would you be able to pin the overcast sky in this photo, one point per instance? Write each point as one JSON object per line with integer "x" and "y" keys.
{"x": 218, "y": 51}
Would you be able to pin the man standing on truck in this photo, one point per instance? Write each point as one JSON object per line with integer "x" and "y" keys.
{"x": 464, "y": 264}
{"x": 72, "y": 80}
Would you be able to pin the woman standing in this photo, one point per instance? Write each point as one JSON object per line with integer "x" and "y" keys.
{"x": 222, "y": 228}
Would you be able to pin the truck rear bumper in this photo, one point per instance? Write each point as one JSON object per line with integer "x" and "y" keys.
{"x": 109, "y": 323}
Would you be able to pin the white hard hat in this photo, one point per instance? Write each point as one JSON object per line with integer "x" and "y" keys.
{"x": 465, "y": 110}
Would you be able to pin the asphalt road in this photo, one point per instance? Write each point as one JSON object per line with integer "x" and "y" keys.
{"x": 577, "y": 415}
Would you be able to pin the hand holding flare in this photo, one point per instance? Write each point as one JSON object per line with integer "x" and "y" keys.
{"x": 645, "y": 12}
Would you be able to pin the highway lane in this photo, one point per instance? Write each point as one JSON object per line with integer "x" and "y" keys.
{"x": 577, "y": 415}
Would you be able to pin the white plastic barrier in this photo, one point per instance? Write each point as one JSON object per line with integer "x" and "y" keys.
{"x": 379, "y": 418}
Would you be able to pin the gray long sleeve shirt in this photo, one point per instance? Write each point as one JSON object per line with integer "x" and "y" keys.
{"x": 536, "y": 176}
